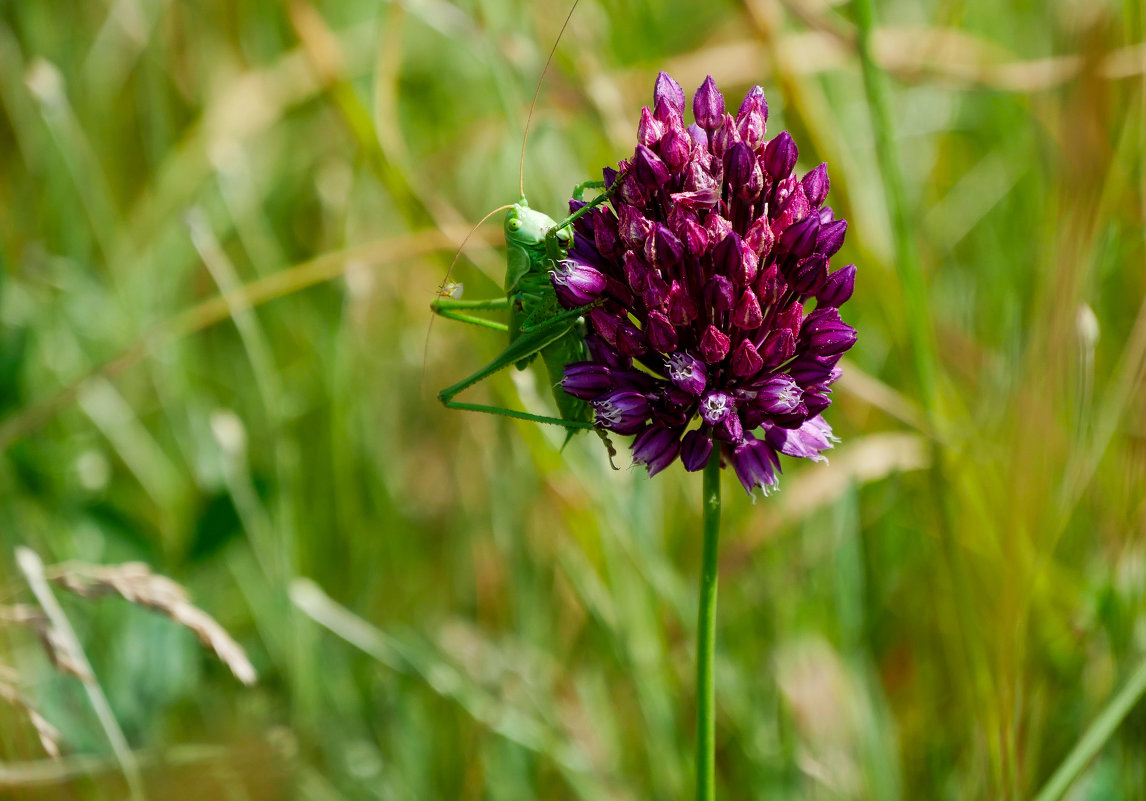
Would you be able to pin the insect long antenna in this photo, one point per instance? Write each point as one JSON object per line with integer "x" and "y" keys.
{"x": 446, "y": 281}
{"x": 536, "y": 94}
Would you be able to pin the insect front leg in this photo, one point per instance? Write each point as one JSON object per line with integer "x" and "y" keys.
{"x": 453, "y": 309}
{"x": 552, "y": 246}
{"x": 524, "y": 347}
{"x": 579, "y": 189}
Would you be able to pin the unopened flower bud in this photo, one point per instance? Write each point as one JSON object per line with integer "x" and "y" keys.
{"x": 660, "y": 333}
{"x": 747, "y": 314}
{"x": 609, "y": 175}
{"x": 780, "y": 156}
{"x": 769, "y": 286}
{"x": 753, "y": 116}
{"x": 816, "y": 402}
{"x": 791, "y": 210}
{"x": 669, "y": 91}
{"x": 800, "y": 239}
{"x": 680, "y": 307}
{"x": 732, "y": 259}
{"x": 746, "y": 360}
{"x": 636, "y": 272}
{"x": 742, "y": 172}
{"x": 724, "y": 137}
{"x": 714, "y": 345}
{"x": 649, "y": 169}
{"x": 825, "y": 334}
{"x": 708, "y": 105}
{"x": 809, "y": 274}
{"x": 791, "y": 318}
{"x": 717, "y": 227}
{"x": 831, "y": 238}
{"x": 778, "y": 347}
{"x": 760, "y": 237}
{"x": 838, "y": 287}
{"x": 656, "y": 290}
{"x": 632, "y": 226}
{"x": 675, "y": 148}
{"x": 808, "y": 371}
{"x": 662, "y": 248}
{"x": 695, "y": 239}
{"x": 816, "y": 185}
{"x": 629, "y": 340}
{"x": 649, "y": 129}
{"x": 719, "y": 293}
{"x": 605, "y": 234}
{"x": 754, "y": 100}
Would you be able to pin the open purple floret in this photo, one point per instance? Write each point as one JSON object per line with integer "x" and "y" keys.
{"x": 705, "y": 263}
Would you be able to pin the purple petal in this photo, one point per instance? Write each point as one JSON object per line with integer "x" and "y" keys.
{"x": 624, "y": 411}
{"x": 755, "y": 464}
{"x": 806, "y": 442}
{"x": 779, "y": 395}
{"x": 656, "y": 447}
{"x": 576, "y": 283}
{"x": 715, "y": 406}
{"x": 587, "y": 380}
{"x": 687, "y": 372}
{"x": 695, "y": 450}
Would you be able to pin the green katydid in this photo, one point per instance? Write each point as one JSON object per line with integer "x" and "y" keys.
{"x": 538, "y": 325}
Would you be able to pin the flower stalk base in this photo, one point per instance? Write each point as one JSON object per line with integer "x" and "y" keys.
{"x": 706, "y": 638}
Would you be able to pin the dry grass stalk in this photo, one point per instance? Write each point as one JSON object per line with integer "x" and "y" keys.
{"x": 136, "y": 583}
{"x": 10, "y": 692}
{"x": 54, "y": 645}
{"x": 22, "y": 615}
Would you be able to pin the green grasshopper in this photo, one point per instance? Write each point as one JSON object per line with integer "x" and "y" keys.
{"x": 537, "y": 326}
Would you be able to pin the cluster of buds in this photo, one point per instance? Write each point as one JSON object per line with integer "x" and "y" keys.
{"x": 702, "y": 273}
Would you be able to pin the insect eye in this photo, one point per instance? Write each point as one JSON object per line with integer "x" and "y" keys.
{"x": 564, "y": 236}
{"x": 514, "y": 224}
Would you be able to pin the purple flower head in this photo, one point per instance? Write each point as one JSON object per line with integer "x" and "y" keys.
{"x": 715, "y": 331}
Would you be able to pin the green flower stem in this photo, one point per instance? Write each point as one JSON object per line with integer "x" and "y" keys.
{"x": 706, "y": 638}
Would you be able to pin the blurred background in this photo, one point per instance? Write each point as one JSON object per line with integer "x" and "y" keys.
{"x": 222, "y": 225}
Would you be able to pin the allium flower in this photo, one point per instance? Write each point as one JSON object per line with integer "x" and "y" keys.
{"x": 703, "y": 269}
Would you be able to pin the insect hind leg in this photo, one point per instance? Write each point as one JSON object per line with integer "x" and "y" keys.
{"x": 524, "y": 347}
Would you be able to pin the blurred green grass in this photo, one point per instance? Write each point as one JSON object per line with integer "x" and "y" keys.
{"x": 940, "y": 613}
